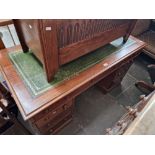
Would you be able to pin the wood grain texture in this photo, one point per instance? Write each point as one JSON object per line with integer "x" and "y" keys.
{"x": 4, "y": 22}
{"x": 114, "y": 79}
{"x": 60, "y": 41}
{"x": 19, "y": 28}
{"x": 49, "y": 49}
{"x": 30, "y": 107}
{"x": 2, "y": 46}
{"x": 78, "y": 49}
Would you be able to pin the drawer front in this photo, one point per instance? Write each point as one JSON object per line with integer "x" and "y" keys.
{"x": 52, "y": 114}
{"x": 53, "y": 110}
{"x": 60, "y": 125}
{"x": 60, "y": 119}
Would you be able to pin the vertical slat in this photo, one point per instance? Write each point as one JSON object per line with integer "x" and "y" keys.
{"x": 60, "y": 35}
{"x": 69, "y": 34}
{"x": 72, "y": 31}
{"x": 65, "y": 35}
{"x": 77, "y": 36}
{"x": 82, "y": 25}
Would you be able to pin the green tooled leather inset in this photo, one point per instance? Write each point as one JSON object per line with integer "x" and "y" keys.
{"x": 31, "y": 71}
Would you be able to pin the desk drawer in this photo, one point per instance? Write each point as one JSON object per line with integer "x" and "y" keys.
{"x": 60, "y": 125}
{"x": 54, "y": 113}
{"x": 56, "y": 122}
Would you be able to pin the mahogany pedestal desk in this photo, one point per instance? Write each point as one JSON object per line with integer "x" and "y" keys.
{"x": 52, "y": 110}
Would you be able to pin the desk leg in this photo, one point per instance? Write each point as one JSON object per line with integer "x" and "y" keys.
{"x": 114, "y": 79}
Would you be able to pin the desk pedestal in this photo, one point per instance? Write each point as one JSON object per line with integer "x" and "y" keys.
{"x": 114, "y": 79}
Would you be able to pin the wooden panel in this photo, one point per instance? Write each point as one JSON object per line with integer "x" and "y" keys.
{"x": 53, "y": 111}
{"x": 78, "y": 49}
{"x": 114, "y": 79}
{"x": 60, "y": 125}
{"x": 53, "y": 123}
{"x": 76, "y": 30}
{"x": 28, "y": 33}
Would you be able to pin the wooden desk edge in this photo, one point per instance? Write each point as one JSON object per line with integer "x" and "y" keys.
{"x": 143, "y": 44}
{"x": 33, "y": 113}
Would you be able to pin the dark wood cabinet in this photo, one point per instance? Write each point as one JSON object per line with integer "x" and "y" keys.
{"x": 57, "y": 42}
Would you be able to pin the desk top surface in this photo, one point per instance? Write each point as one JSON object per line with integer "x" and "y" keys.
{"x": 30, "y": 106}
